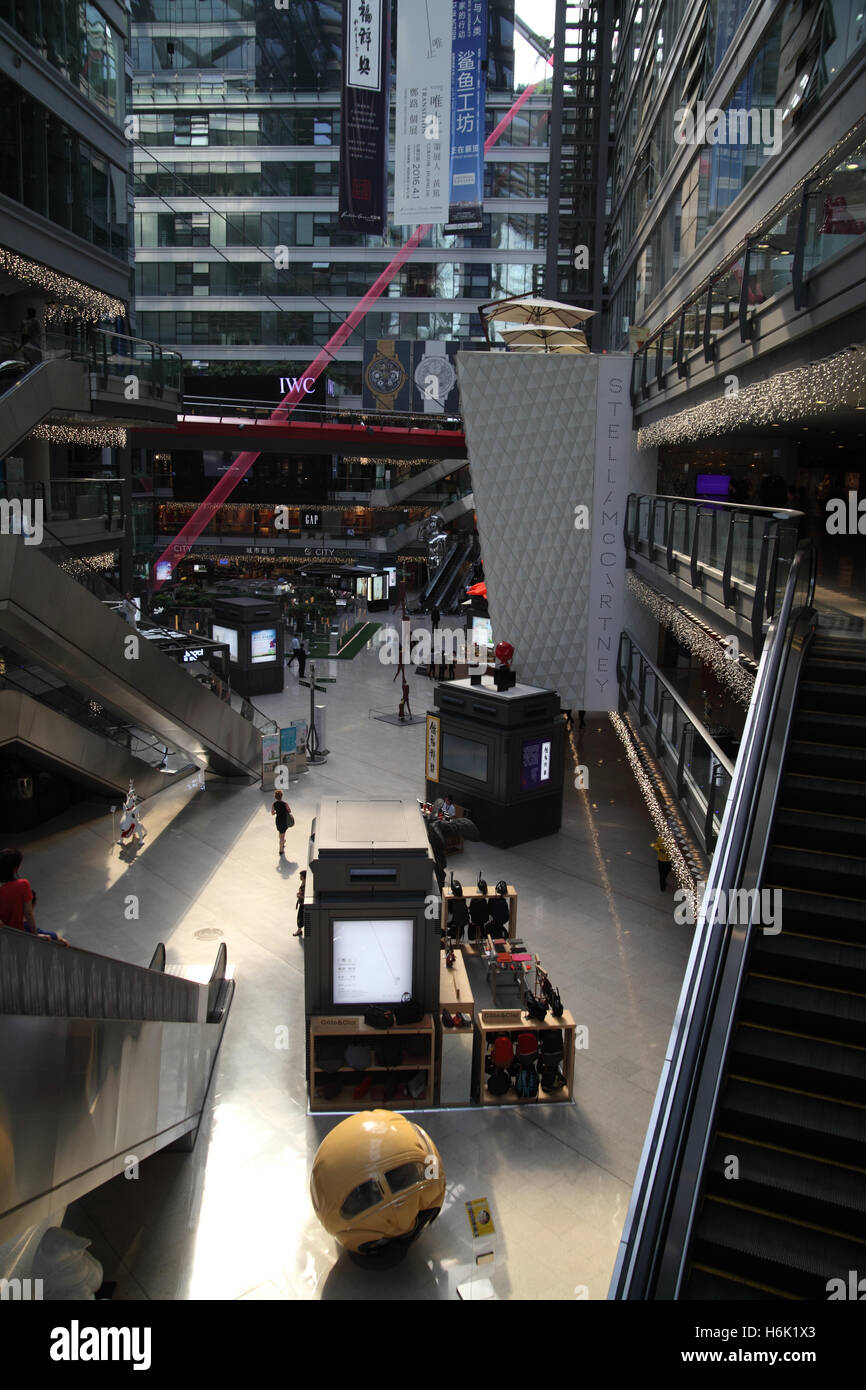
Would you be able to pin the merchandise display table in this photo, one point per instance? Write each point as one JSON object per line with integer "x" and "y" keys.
{"x": 491, "y": 1023}
{"x": 510, "y": 928}
{"x": 387, "y": 1078}
{"x": 455, "y": 991}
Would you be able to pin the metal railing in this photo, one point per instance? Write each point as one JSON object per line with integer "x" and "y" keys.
{"x": 737, "y": 558}
{"x": 259, "y": 721}
{"x": 655, "y": 1239}
{"x": 226, "y": 410}
{"x": 110, "y": 356}
{"x": 697, "y": 767}
{"x": 72, "y": 499}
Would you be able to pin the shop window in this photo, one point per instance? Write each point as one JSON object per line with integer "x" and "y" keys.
{"x": 836, "y": 210}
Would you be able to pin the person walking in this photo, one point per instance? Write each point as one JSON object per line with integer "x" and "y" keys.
{"x": 129, "y": 610}
{"x": 302, "y": 888}
{"x": 664, "y": 861}
{"x": 293, "y": 654}
{"x": 282, "y": 810}
{"x": 302, "y": 660}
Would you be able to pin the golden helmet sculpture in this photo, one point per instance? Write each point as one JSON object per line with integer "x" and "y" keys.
{"x": 377, "y": 1181}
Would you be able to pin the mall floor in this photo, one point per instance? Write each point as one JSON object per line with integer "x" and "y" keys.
{"x": 233, "y": 1220}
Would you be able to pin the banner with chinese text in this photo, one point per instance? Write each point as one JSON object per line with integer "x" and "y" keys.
{"x": 364, "y": 116}
{"x": 423, "y": 128}
{"x": 468, "y": 82}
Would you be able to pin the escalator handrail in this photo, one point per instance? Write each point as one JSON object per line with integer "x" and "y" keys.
{"x": 652, "y": 1194}
{"x": 43, "y": 979}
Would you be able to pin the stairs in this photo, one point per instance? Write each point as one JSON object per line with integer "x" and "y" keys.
{"x": 783, "y": 1200}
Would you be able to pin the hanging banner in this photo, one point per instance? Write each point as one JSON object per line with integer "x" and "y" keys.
{"x": 423, "y": 140}
{"x": 364, "y": 116}
{"x": 468, "y": 83}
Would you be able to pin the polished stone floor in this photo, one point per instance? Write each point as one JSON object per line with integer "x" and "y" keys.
{"x": 233, "y": 1219}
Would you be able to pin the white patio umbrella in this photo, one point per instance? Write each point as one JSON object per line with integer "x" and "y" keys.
{"x": 530, "y": 309}
{"x": 545, "y": 338}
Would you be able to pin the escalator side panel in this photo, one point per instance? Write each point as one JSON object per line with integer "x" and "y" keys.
{"x": 81, "y": 1097}
{"x": 46, "y": 612}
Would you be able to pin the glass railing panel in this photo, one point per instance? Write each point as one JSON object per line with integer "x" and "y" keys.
{"x": 643, "y": 519}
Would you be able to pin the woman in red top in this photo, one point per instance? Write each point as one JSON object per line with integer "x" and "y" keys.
{"x": 16, "y": 897}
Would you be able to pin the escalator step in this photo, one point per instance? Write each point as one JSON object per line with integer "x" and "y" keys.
{"x": 826, "y": 760}
{"x": 835, "y": 1070}
{"x": 806, "y": 868}
{"x": 704, "y": 1284}
{"x": 830, "y": 667}
{"x": 816, "y": 961}
{"x": 826, "y": 1129}
{"x": 815, "y": 914}
{"x": 788, "y": 1185}
{"x": 771, "y": 1250}
{"x": 809, "y": 829}
{"x": 802, "y": 791}
{"x": 832, "y": 695}
{"x": 830, "y": 726}
{"x": 834, "y": 1015}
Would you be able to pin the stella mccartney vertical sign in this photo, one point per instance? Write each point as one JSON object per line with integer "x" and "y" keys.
{"x": 423, "y": 128}
{"x": 613, "y": 459}
{"x": 364, "y": 116}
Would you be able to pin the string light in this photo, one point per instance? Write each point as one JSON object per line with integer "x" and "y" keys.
{"x": 787, "y": 398}
{"x": 89, "y": 303}
{"x": 707, "y": 645}
{"x": 685, "y": 863}
{"x": 79, "y": 566}
{"x": 95, "y": 436}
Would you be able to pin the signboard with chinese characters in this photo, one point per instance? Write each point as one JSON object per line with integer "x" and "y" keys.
{"x": 433, "y": 743}
{"x": 423, "y": 129}
{"x": 468, "y": 68}
{"x": 364, "y": 118}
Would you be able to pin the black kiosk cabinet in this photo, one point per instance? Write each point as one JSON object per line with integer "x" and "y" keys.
{"x": 372, "y": 928}
{"x": 252, "y": 629}
{"x": 500, "y": 754}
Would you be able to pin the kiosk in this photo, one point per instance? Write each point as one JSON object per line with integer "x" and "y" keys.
{"x": 371, "y": 939}
{"x": 252, "y": 629}
{"x": 500, "y": 753}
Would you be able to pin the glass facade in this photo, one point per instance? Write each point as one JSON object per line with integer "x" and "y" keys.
{"x": 649, "y": 239}
{"x": 76, "y": 39}
{"x": 49, "y": 168}
{"x": 231, "y": 82}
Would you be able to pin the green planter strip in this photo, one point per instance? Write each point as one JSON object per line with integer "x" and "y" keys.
{"x": 356, "y": 640}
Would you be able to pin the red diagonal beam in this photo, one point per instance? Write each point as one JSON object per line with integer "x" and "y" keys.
{"x": 190, "y": 532}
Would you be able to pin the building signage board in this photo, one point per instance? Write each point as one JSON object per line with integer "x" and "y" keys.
{"x": 423, "y": 129}
{"x": 614, "y": 450}
{"x": 468, "y": 71}
{"x": 433, "y": 745}
{"x": 401, "y": 376}
{"x": 364, "y": 116}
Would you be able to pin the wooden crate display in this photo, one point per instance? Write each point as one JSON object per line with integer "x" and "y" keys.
{"x": 468, "y": 894}
{"x": 491, "y": 1022}
{"x": 418, "y": 1041}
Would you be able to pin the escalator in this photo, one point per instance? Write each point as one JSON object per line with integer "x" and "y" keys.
{"x": 46, "y": 615}
{"x": 111, "y": 1060}
{"x": 58, "y": 384}
{"x": 47, "y": 725}
{"x": 454, "y": 591}
{"x": 792, "y": 1109}
{"x": 444, "y": 577}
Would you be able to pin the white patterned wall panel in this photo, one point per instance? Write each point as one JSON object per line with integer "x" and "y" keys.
{"x": 531, "y": 433}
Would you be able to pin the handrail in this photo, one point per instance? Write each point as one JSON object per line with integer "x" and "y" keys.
{"x": 654, "y": 1191}
{"x": 686, "y": 709}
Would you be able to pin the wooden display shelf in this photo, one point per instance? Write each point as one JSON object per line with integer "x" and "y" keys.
{"x": 450, "y": 982}
{"x": 514, "y": 1021}
{"x": 508, "y": 928}
{"x": 352, "y": 1028}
